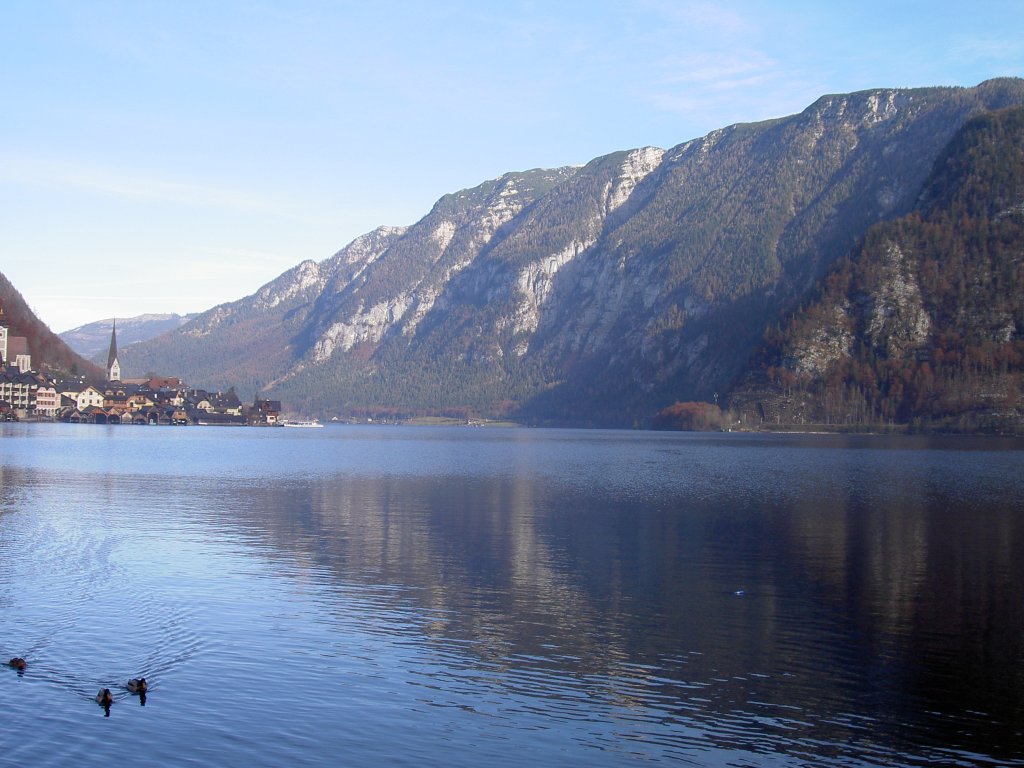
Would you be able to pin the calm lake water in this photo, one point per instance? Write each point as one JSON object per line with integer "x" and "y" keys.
{"x": 459, "y": 597}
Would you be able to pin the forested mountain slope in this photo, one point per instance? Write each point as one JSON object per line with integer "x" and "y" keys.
{"x": 46, "y": 348}
{"x": 924, "y": 323}
{"x": 590, "y": 295}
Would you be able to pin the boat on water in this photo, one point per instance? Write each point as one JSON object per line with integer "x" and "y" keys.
{"x": 307, "y": 423}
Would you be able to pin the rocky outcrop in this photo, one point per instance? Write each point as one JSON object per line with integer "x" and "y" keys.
{"x": 896, "y": 321}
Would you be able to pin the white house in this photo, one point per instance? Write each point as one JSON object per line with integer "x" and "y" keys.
{"x": 47, "y": 401}
{"x": 87, "y": 398}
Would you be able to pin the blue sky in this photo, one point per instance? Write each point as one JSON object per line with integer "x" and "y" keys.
{"x": 171, "y": 156}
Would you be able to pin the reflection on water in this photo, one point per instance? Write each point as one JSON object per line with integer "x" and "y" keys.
{"x": 460, "y": 596}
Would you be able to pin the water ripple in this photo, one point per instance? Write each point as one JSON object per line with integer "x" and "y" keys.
{"x": 403, "y": 597}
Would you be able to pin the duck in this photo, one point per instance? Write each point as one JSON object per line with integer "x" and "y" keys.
{"x": 105, "y": 697}
{"x": 138, "y": 685}
{"x": 17, "y": 663}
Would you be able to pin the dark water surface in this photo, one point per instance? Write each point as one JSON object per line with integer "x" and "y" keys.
{"x": 458, "y": 597}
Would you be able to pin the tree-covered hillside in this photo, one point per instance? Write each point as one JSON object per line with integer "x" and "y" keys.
{"x": 47, "y": 350}
{"x": 924, "y": 323}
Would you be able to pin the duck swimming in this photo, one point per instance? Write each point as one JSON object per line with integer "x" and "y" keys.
{"x": 138, "y": 685}
{"x": 105, "y": 698}
{"x": 17, "y": 663}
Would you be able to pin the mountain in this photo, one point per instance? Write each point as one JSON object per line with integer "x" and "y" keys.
{"x": 584, "y": 295}
{"x": 93, "y": 339}
{"x": 48, "y": 351}
{"x": 923, "y": 323}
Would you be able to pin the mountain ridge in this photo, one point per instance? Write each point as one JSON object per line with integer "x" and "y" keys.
{"x": 92, "y": 339}
{"x": 586, "y": 295}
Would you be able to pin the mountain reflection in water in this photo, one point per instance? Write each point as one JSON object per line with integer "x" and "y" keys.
{"x": 582, "y": 598}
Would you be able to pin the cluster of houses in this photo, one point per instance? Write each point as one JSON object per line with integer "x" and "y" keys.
{"x": 162, "y": 402}
{"x": 28, "y": 394}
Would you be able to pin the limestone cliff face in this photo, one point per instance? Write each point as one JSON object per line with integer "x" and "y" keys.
{"x": 592, "y": 294}
{"x": 896, "y": 319}
{"x": 889, "y": 309}
{"x": 819, "y": 346}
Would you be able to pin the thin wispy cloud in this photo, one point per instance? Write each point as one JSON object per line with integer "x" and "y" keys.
{"x": 727, "y": 88}
{"x": 115, "y": 182}
{"x": 1001, "y": 50}
{"x": 717, "y": 60}
{"x": 715, "y": 18}
{"x": 716, "y": 72}
{"x": 207, "y": 257}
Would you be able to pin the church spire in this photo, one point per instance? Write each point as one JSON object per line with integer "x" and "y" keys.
{"x": 113, "y": 367}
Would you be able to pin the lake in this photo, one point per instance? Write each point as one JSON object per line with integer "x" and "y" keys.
{"x": 503, "y": 597}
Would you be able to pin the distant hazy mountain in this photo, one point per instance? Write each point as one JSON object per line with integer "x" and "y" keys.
{"x": 48, "y": 351}
{"x": 924, "y": 324}
{"x": 585, "y": 295}
{"x": 93, "y": 339}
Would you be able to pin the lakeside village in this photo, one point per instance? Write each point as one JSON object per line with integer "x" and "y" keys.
{"x": 33, "y": 396}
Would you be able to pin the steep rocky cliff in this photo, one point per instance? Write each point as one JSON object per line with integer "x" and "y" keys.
{"x": 582, "y": 295}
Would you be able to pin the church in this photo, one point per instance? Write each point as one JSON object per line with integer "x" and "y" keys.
{"x": 113, "y": 366}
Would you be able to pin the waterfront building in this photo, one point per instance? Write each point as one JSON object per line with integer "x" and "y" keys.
{"x": 47, "y": 401}
{"x": 89, "y": 397}
{"x": 18, "y": 390}
{"x": 266, "y": 412}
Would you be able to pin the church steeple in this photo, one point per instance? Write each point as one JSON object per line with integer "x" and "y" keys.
{"x": 113, "y": 367}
